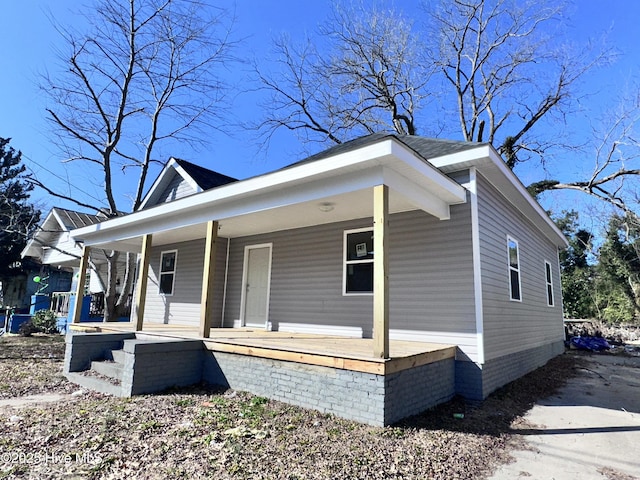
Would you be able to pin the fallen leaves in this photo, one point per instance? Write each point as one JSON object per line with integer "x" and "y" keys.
{"x": 201, "y": 432}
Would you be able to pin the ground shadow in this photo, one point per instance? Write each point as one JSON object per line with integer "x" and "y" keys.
{"x": 498, "y": 413}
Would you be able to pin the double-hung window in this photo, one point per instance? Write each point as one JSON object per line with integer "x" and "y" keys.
{"x": 549, "y": 283}
{"x": 167, "y": 271}
{"x": 358, "y": 262}
{"x": 514, "y": 270}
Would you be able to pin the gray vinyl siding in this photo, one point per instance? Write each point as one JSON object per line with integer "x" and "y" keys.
{"x": 511, "y": 326}
{"x": 178, "y": 188}
{"x": 461, "y": 177}
{"x": 183, "y": 307}
{"x": 431, "y": 278}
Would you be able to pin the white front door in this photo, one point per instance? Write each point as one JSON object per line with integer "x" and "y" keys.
{"x": 256, "y": 283}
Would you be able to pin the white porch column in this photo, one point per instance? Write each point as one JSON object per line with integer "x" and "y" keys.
{"x": 82, "y": 273}
{"x": 208, "y": 275}
{"x": 380, "y": 271}
{"x": 143, "y": 277}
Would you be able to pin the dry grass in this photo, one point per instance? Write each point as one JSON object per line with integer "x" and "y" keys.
{"x": 203, "y": 433}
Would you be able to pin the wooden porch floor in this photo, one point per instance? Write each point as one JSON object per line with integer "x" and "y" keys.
{"x": 323, "y": 350}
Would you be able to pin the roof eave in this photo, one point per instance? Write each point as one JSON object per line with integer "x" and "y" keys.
{"x": 489, "y": 162}
{"x": 292, "y": 185}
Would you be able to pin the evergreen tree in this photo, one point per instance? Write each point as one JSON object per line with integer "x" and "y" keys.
{"x": 18, "y": 217}
{"x": 578, "y": 277}
{"x": 619, "y": 270}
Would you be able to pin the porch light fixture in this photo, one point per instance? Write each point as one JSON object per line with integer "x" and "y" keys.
{"x": 326, "y": 206}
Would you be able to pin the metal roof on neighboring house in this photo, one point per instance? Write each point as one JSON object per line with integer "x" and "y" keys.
{"x": 71, "y": 219}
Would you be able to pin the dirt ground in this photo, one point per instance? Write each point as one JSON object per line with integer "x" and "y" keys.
{"x": 203, "y": 433}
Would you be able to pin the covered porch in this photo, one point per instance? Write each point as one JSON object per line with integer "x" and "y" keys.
{"x": 370, "y": 182}
{"x": 311, "y": 349}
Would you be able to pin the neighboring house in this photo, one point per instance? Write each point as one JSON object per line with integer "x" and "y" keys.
{"x": 52, "y": 245}
{"x": 386, "y": 236}
{"x": 18, "y": 291}
{"x": 52, "y": 248}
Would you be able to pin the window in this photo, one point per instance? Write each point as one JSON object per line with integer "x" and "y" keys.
{"x": 549, "y": 282}
{"x": 167, "y": 271}
{"x": 514, "y": 269}
{"x": 358, "y": 261}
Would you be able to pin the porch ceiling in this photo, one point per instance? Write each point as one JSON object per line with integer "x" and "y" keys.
{"x": 325, "y": 191}
{"x": 346, "y": 206}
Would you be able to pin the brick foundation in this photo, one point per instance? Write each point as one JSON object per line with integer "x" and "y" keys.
{"x": 364, "y": 397}
{"x": 476, "y": 382}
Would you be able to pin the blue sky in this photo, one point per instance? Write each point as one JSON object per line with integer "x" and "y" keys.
{"x": 28, "y": 41}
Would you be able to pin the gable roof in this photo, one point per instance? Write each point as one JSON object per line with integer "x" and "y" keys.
{"x": 57, "y": 221}
{"x": 291, "y": 198}
{"x": 414, "y": 168}
{"x": 71, "y": 219}
{"x": 198, "y": 178}
{"x": 452, "y": 155}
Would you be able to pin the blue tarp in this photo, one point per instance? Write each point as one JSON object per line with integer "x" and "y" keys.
{"x": 594, "y": 344}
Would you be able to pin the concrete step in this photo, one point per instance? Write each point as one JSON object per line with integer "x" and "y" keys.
{"x": 118, "y": 356}
{"x": 108, "y": 368}
{"x": 94, "y": 383}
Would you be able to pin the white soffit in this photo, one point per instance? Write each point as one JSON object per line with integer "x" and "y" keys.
{"x": 491, "y": 165}
{"x": 49, "y": 229}
{"x": 281, "y": 199}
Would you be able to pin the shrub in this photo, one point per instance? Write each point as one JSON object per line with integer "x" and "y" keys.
{"x": 45, "y": 321}
{"x": 27, "y": 329}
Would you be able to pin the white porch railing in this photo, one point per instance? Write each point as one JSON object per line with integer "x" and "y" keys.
{"x": 60, "y": 304}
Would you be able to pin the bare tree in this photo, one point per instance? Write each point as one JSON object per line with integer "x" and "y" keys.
{"x": 146, "y": 72}
{"x": 507, "y": 70}
{"x": 497, "y": 61}
{"x": 368, "y": 77}
{"x": 615, "y": 177}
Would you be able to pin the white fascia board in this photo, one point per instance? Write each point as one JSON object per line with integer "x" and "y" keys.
{"x": 33, "y": 248}
{"x": 433, "y": 178}
{"x": 422, "y": 199}
{"x": 159, "y": 182}
{"x": 487, "y": 156}
{"x": 63, "y": 227}
{"x": 30, "y": 250}
{"x": 524, "y": 193}
{"x": 141, "y": 223}
{"x": 465, "y": 159}
{"x": 335, "y": 175}
{"x": 188, "y": 178}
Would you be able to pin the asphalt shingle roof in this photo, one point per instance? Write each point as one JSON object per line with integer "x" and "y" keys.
{"x": 423, "y": 146}
{"x": 204, "y": 177}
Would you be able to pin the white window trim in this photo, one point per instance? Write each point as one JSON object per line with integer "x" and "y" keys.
{"x": 548, "y": 284}
{"x": 352, "y": 262}
{"x": 160, "y": 273}
{"x": 510, "y": 268}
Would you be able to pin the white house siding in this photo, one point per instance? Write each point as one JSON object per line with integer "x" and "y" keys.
{"x": 183, "y": 307}
{"x": 511, "y": 326}
{"x": 64, "y": 250}
{"x": 431, "y": 280}
{"x": 177, "y": 188}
